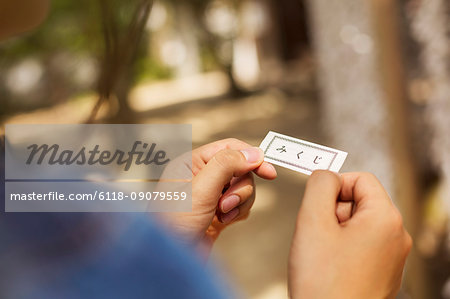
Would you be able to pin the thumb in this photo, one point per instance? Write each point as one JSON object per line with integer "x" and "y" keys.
{"x": 208, "y": 184}
{"x": 321, "y": 195}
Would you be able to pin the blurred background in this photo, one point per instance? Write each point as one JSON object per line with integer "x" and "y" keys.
{"x": 368, "y": 77}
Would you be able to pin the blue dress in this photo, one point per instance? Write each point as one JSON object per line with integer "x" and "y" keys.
{"x": 97, "y": 255}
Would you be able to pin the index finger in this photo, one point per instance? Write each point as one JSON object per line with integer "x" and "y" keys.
{"x": 360, "y": 186}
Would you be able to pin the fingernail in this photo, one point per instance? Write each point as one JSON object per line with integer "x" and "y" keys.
{"x": 230, "y": 202}
{"x": 252, "y": 154}
{"x": 271, "y": 168}
{"x": 230, "y": 216}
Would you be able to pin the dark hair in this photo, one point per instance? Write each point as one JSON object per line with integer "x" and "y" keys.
{"x": 123, "y": 25}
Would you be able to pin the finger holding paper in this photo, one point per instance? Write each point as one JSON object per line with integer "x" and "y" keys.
{"x": 222, "y": 189}
{"x": 331, "y": 259}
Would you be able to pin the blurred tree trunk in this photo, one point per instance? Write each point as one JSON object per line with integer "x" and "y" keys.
{"x": 123, "y": 26}
{"x": 364, "y": 103}
{"x": 430, "y": 28}
{"x": 124, "y": 84}
{"x": 292, "y": 27}
{"x": 187, "y": 29}
{"x": 409, "y": 191}
{"x": 354, "y": 112}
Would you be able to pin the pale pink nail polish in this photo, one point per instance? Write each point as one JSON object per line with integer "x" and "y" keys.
{"x": 230, "y": 203}
{"x": 230, "y": 216}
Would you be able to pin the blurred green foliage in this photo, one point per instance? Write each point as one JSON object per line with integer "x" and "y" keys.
{"x": 70, "y": 26}
{"x": 76, "y": 30}
{"x": 89, "y": 30}
{"x": 74, "y": 27}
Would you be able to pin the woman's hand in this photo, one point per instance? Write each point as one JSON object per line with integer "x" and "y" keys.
{"x": 361, "y": 257}
{"x": 223, "y": 189}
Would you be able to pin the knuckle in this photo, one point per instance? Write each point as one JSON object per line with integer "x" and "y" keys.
{"x": 247, "y": 191}
{"x": 232, "y": 140}
{"x": 408, "y": 242}
{"x": 398, "y": 219}
{"x": 229, "y": 142}
{"x": 393, "y": 222}
{"x": 369, "y": 176}
{"x": 225, "y": 158}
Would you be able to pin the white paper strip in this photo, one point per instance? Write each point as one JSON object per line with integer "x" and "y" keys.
{"x": 300, "y": 155}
